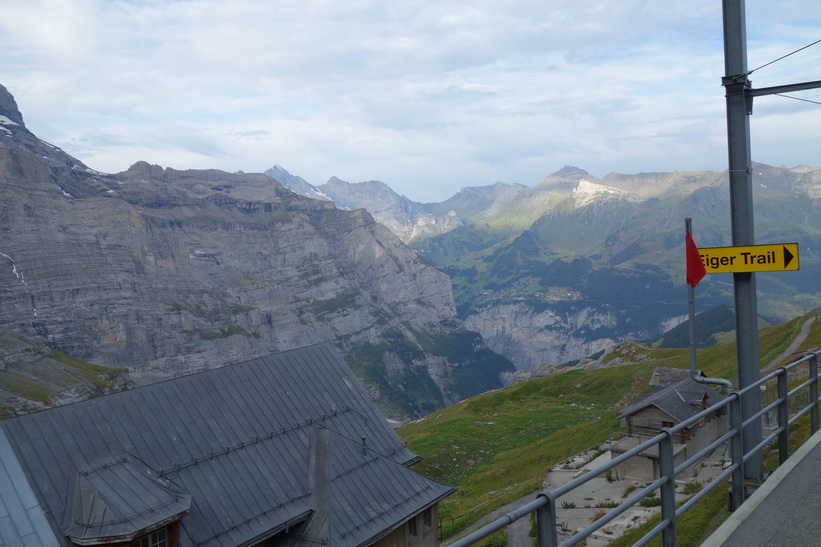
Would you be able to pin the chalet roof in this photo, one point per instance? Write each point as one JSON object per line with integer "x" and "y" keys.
{"x": 680, "y": 400}
{"x": 229, "y": 446}
{"x": 666, "y": 376}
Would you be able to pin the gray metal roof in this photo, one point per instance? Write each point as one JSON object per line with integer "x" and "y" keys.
{"x": 370, "y": 495}
{"x": 120, "y": 499}
{"x": 680, "y": 400}
{"x": 22, "y": 518}
{"x": 235, "y": 439}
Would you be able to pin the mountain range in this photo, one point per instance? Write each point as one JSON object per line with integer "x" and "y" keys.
{"x": 570, "y": 267}
{"x": 409, "y": 220}
{"x": 165, "y": 272}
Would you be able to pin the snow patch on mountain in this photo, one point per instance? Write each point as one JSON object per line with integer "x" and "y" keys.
{"x": 587, "y": 192}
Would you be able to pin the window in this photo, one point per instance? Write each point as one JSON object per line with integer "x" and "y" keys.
{"x": 154, "y": 539}
{"x": 412, "y": 531}
{"x": 427, "y": 518}
{"x": 667, "y": 424}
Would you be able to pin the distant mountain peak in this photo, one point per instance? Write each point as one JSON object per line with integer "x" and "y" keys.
{"x": 295, "y": 183}
{"x": 145, "y": 168}
{"x": 277, "y": 169}
{"x": 9, "y": 110}
{"x": 66, "y": 173}
{"x": 564, "y": 180}
{"x": 568, "y": 172}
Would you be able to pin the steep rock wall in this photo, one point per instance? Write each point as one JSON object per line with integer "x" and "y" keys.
{"x": 531, "y": 337}
{"x": 167, "y": 272}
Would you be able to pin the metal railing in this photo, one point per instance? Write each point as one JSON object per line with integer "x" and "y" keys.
{"x": 544, "y": 506}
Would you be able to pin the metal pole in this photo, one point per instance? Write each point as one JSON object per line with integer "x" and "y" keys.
{"x": 668, "y": 489}
{"x": 691, "y": 309}
{"x": 739, "y": 108}
{"x": 737, "y": 492}
{"x": 783, "y": 417}
{"x": 546, "y": 523}
{"x": 813, "y": 365}
{"x": 691, "y": 306}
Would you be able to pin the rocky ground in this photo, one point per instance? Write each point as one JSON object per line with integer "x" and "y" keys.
{"x": 580, "y": 507}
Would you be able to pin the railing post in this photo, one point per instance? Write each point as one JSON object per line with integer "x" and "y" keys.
{"x": 736, "y": 453}
{"x": 783, "y": 417}
{"x": 814, "y": 391}
{"x": 668, "y": 489}
{"x": 546, "y": 523}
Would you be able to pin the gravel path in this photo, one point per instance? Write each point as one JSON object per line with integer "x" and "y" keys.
{"x": 805, "y": 330}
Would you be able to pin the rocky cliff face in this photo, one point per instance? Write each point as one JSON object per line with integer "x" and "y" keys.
{"x": 167, "y": 272}
{"x": 530, "y": 337}
{"x": 403, "y": 217}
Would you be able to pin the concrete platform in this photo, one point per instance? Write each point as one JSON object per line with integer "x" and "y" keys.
{"x": 785, "y": 510}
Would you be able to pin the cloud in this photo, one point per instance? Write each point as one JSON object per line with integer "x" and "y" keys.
{"x": 428, "y": 97}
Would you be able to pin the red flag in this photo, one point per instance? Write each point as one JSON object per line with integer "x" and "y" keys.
{"x": 695, "y": 267}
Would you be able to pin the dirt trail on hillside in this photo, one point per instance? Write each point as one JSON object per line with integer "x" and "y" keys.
{"x": 805, "y": 330}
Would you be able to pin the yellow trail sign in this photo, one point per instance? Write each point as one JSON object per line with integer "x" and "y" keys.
{"x": 751, "y": 258}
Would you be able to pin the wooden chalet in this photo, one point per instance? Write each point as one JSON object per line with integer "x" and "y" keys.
{"x": 665, "y": 407}
{"x": 669, "y": 406}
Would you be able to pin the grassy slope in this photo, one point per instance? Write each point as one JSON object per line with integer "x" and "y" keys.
{"x": 33, "y": 377}
{"x": 497, "y": 447}
{"x": 696, "y": 525}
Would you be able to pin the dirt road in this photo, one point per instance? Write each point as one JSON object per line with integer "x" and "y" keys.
{"x": 805, "y": 330}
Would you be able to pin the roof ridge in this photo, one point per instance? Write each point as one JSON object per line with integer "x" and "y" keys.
{"x": 242, "y": 444}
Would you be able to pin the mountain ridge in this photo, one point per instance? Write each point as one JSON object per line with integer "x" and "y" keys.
{"x": 409, "y": 220}
{"x": 168, "y": 272}
{"x": 633, "y": 254}
{"x": 621, "y": 237}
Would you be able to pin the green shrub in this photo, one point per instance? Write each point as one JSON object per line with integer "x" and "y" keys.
{"x": 498, "y": 539}
{"x": 651, "y": 501}
{"x": 629, "y": 490}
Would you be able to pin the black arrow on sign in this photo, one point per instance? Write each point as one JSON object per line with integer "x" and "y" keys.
{"x": 788, "y": 256}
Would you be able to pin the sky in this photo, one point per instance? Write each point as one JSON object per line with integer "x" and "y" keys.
{"x": 428, "y": 97}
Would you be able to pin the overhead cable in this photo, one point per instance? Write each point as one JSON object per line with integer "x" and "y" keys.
{"x": 797, "y": 98}
{"x": 783, "y": 57}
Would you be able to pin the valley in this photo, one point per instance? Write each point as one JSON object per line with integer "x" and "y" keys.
{"x": 165, "y": 272}
{"x": 201, "y": 347}
{"x": 576, "y": 264}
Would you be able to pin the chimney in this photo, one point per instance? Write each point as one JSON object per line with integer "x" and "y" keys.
{"x": 319, "y": 483}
